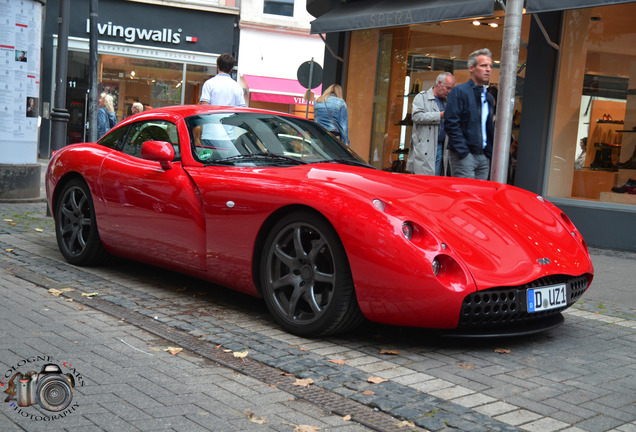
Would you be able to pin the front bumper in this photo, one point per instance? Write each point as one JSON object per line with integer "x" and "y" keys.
{"x": 503, "y": 311}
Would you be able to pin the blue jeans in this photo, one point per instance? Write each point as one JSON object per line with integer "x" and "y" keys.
{"x": 438, "y": 158}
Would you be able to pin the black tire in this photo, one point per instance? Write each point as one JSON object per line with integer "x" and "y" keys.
{"x": 306, "y": 279}
{"x": 76, "y": 226}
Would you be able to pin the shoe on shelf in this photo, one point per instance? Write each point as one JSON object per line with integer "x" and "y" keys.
{"x": 629, "y": 187}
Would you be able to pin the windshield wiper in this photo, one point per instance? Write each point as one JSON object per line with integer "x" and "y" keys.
{"x": 256, "y": 156}
{"x": 353, "y": 162}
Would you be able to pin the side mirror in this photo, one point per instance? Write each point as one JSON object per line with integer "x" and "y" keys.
{"x": 159, "y": 151}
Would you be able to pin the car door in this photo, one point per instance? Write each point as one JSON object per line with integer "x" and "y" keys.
{"x": 153, "y": 213}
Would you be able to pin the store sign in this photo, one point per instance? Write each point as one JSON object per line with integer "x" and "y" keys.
{"x": 134, "y": 34}
{"x": 393, "y": 18}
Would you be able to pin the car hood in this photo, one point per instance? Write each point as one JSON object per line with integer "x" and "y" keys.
{"x": 506, "y": 236}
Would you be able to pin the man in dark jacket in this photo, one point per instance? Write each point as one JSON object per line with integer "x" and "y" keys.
{"x": 468, "y": 120}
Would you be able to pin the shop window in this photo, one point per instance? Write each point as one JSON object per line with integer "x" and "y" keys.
{"x": 407, "y": 60}
{"x": 279, "y": 7}
{"x": 593, "y": 155}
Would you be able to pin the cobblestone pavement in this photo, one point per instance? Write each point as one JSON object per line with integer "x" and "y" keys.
{"x": 577, "y": 377}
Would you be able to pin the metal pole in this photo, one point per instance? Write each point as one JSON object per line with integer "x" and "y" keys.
{"x": 93, "y": 97}
{"x": 506, "y": 94}
{"x": 311, "y": 78}
{"x": 59, "y": 114}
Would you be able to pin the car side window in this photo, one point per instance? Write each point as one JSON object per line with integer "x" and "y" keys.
{"x": 151, "y": 130}
{"x": 114, "y": 139}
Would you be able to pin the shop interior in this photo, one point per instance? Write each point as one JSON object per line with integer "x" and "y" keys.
{"x": 408, "y": 61}
{"x": 594, "y": 140}
{"x": 153, "y": 83}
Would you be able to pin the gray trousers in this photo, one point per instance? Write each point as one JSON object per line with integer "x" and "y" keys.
{"x": 472, "y": 166}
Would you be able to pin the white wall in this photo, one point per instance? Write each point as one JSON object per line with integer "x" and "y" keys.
{"x": 276, "y": 53}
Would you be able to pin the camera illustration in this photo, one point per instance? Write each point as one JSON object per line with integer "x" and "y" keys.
{"x": 50, "y": 388}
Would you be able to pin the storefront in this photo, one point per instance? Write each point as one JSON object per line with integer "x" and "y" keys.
{"x": 576, "y": 77}
{"x": 158, "y": 62}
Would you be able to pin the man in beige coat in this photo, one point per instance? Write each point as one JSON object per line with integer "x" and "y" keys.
{"x": 428, "y": 141}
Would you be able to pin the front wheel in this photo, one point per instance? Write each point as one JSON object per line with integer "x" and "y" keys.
{"x": 306, "y": 279}
{"x": 76, "y": 225}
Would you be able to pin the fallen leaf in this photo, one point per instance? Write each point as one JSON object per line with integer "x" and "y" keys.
{"x": 303, "y": 382}
{"x": 338, "y": 361}
{"x": 306, "y": 428}
{"x": 80, "y": 308}
{"x": 240, "y": 354}
{"x": 390, "y": 351}
{"x": 256, "y": 419}
{"x": 92, "y": 294}
{"x": 68, "y": 300}
{"x": 12, "y": 223}
{"x": 368, "y": 393}
{"x": 9, "y": 250}
{"x": 405, "y": 423}
{"x": 347, "y": 417}
{"x": 8, "y": 220}
{"x": 502, "y": 350}
{"x": 465, "y": 365}
{"x": 173, "y": 350}
{"x": 376, "y": 380}
{"x": 55, "y": 292}
{"x": 39, "y": 230}
{"x": 302, "y": 349}
{"x": 286, "y": 373}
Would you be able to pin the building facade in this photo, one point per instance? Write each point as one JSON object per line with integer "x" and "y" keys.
{"x": 157, "y": 62}
{"x": 574, "y": 122}
{"x": 275, "y": 40}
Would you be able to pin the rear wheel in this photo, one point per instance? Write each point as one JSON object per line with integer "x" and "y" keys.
{"x": 76, "y": 226}
{"x": 306, "y": 279}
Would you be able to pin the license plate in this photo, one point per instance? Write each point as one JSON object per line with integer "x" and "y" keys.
{"x": 540, "y": 299}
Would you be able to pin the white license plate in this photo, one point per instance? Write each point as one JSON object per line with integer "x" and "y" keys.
{"x": 540, "y": 299}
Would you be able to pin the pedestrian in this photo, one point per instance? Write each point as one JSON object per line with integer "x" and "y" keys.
{"x": 468, "y": 120}
{"x": 221, "y": 89}
{"x": 106, "y": 117}
{"x": 137, "y": 107}
{"x": 429, "y": 138}
{"x": 330, "y": 111}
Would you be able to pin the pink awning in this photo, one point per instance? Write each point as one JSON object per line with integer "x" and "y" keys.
{"x": 278, "y": 90}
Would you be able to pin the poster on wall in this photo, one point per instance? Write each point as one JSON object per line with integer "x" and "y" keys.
{"x": 20, "y": 46}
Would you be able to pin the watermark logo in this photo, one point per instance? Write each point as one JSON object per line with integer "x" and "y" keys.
{"x": 51, "y": 388}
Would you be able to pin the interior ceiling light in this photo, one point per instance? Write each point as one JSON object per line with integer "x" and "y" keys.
{"x": 476, "y": 23}
{"x": 493, "y": 24}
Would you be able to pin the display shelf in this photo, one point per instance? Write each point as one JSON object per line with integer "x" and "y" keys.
{"x": 618, "y": 198}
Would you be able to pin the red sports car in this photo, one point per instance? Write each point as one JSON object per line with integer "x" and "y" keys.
{"x": 272, "y": 205}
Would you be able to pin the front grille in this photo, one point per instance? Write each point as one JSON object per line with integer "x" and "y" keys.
{"x": 507, "y": 305}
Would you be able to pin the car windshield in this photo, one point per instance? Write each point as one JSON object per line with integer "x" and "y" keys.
{"x": 264, "y": 139}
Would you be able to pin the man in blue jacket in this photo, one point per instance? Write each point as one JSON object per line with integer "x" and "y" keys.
{"x": 468, "y": 120}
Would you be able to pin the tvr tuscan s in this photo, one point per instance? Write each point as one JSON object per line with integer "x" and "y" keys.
{"x": 272, "y": 205}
